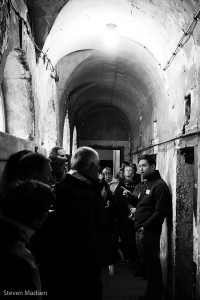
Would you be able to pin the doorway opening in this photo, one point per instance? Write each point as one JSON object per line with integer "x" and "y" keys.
{"x": 110, "y": 157}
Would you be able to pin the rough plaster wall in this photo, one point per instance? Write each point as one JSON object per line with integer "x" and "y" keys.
{"x": 184, "y": 230}
{"x": 195, "y": 205}
{"x": 46, "y": 89}
{"x": 24, "y": 82}
{"x": 198, "y": 216}
{"x": 166, "y": 164}
{"x": 182, "y": 77}
{"x": 9, "y": 27}
{"x": 11, "y": 144}
{"x": 143, "y": 135}
{"x": 29, "y": 48}
{"x": 50, "y": 129}
{"x": 3, "y": 25}
{"x": 19, "y": 106}
{"x": 10, "y": 40}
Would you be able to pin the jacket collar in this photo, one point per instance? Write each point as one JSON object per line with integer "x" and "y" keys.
{"x": 79, "y": 176}
{"x": 154, "y": 175}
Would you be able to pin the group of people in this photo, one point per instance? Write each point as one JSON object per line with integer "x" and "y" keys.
{"x": 142, "y": 202}
{"x": 122, "y": 189}
{"x": 58, "y": 223}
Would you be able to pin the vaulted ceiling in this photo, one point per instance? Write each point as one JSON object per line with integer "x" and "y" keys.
{"x": 129, "y": 77}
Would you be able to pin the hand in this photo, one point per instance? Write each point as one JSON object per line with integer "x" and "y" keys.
{"x": 107, "y": 204}
{"x": 141, "y": 232}
{"x": 111, "y": 270}
{"x": 126, "y": 192}
{"x": 132, "y": 210}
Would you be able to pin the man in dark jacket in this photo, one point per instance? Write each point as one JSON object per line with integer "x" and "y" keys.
{"x": 24, "y": 206}
{"x": 154, "y": 202}
{"x": 82, "y": 217}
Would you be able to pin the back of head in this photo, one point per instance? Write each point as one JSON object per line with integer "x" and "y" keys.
{"x": 57, "y": 159}
{"x": 9, "y": 173}
{"x": 26, "y": 201}
{"x": 150, "y": 158}
{"x": 32, "y": 166}
{"x": 54, "y": 151}
{"x": 133, "y": 166}
{"x": 58, "y": 155}
{"x": 83, "y": 158}
{"x": 125, "y": 163}
{"x": 58, "y": 151}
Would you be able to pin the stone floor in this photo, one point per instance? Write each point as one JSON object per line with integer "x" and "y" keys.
{"x": 122, "y": 285}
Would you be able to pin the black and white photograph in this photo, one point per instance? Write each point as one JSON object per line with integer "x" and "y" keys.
{"x": 100, "y": 149}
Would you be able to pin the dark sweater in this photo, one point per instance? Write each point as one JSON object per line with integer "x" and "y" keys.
{"x": 154, "y": 203}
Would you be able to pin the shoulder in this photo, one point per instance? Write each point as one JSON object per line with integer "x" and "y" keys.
{"x": 163, "y": 183}
{"x": 160, "y": 186}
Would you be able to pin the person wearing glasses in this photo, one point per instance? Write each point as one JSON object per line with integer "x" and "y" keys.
{"x": 108, "y": 176}
{"x": 59, "y": 163}
{"x": 60, "y": 153}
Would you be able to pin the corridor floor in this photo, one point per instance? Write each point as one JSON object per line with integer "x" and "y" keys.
{"x": 122, "y": 285}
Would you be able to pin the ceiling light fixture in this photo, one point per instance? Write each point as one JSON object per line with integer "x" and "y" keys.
{"x": 111, "y": 37}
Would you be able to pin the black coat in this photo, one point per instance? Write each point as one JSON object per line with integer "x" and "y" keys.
{"x": 84, "y": 232}
{"x": 18, "y": 269}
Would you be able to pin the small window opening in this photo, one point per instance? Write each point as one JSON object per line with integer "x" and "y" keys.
{"x": 187, "y": 111}
{"x": 187, "y": 108}
{"x": 188, "y": 153}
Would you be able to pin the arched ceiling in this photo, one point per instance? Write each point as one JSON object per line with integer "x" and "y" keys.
{"x": 123, "y": 81}
{"x": 65, "y": 26}
{"x": 129, "y": 78}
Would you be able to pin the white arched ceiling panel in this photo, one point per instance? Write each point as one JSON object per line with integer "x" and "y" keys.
{"x": 82, "y": 24}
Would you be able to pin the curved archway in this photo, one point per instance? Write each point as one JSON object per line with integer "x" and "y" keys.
{"x": 131, "y": 82}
